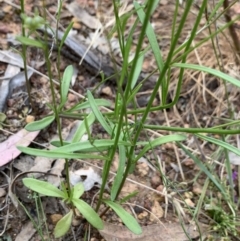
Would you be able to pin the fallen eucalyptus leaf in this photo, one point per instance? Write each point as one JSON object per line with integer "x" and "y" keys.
{"x": 8, "y": 150}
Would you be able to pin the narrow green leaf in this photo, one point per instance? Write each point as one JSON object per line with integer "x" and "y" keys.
{"x": 54, "y": 154}
{"x": 130, "y": 222}
{"x": 214, "y": 72}
{"x": 42, "y": 187}
{"x": 160, "y": 141}
{"x": 133, "y": 93}
{"x": 81, "y": 130}
{"x": 78, "y": 190}
{"x": 137, "y": 70}
{"x": 30, "y": 42}
{"x": 57, "y": 143}
{"x": 66, "y": 80}
{"x": 155, "y": 5}
{"x": 88, "y": 212}
{"x": 86, "y": 104}
{"x": 63, "y": 225}
{"x": 150, "y": 35}
{"x": 41, "y": 124}
{"x": 121, "y": 167}
{"x": 98, "y": 114}
{"x": 126, "y": 198}
{"x": 88, "y": 145}
{"x": 66, "y": 32}
{"x": 220, "y": 143}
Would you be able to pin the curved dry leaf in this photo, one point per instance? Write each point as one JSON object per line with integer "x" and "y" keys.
{"x": 12, "y": 58}
{"x": 160, "y": 232}
{"x": 8, "y": 150}
{"x": 82, "y": 15}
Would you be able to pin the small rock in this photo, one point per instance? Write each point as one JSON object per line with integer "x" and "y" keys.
{"x": 188, "y": 194}
{"x": 30, "y": 119}
{"x": 55, "y": 218}
{"x": 142, "y": 169}
{"x": 189, "y": 202}
{"x": 188, "y": 162}
{"x": 169, "y": 146}
{"x": 76, "y": 24}
{"x": 138, "y": 209}
{"x": 163, "y": 2}
{"x": 2, "y": 192}
{"x": 197, "y": 189}
{"x": 94, "y": 239}
{"x": 146, "y": 65}
{"x": 107, "y": 91}
{"x": 160, "y": 188}
{"x": 7, "y": 9}
{"x": 142, "y": 215}
{"x": 71, "y": 97}
{"x": 155, "y": 181}
{"x": 76, "y": 222}
{"x": 43, "y": 80}
{"x": 156, "y": 212}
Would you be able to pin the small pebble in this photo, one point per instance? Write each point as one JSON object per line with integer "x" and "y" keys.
{"x": 189, "y": 202}
{"x": 142, "y": 215}
{"x": 30, "y": 119}
{"x": 188, "y": 194}
{"x": 43, "y": 80}
{"x": 76, "y": 222}
{"x": 137, "y": 209}
{"x": 156, "y": 212}
{"x": 160, "y": 188}
{"x": 188, "y": 162}
{"x": 55, "y": 218}
{"x": 71, "y": 97}
{"x": 155, "y": 181}
{"x": 142, "y": 169}
{"x": 107, "y": 91}
{"x": 197, "y": 189}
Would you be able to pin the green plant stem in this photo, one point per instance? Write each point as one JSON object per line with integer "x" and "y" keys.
{"x": 163, "y": 72}
{"x": 55, "y": 107}
{"x": 24, "y": 56}
{"x": 229, "y": 170}
{"x": 192, "y": 130}
{"x": 127, "y": 91}
{"x": 111, "y": 153}
{"x": 56, "y": 31}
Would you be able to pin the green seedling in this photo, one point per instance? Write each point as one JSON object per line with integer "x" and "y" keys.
{"x": 73, "y": 200}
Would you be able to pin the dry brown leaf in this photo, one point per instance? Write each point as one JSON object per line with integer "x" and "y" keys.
{"x": 26, "y": 233}
{"x": 166, "y": 232}
{"x": 83, "y": 16}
